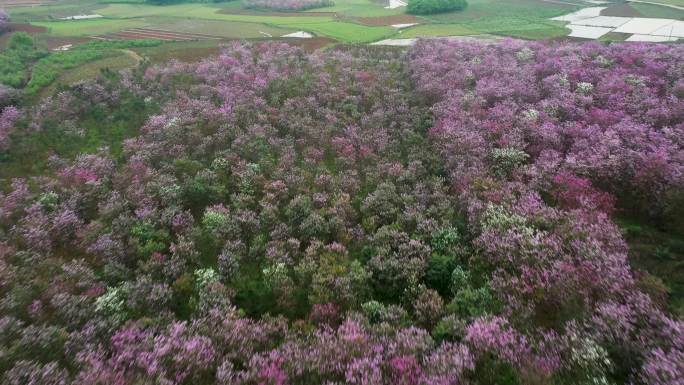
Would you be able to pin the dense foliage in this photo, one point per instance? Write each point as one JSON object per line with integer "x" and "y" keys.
{"x": 287, "y": 5}
{"x": 26, "y": 64}
{"x": 349, "y": 216}
{"x": 48, "y": 69}
{"x": 427, "y": 7}
{"x": 16, "y": 58}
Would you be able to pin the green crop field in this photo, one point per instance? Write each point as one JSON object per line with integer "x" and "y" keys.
{"x": 428, "y": 30}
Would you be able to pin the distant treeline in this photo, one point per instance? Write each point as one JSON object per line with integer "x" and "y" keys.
{"x": 165, "y": 2}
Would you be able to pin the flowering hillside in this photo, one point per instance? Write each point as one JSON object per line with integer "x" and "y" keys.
{"x": 287, "y": 5}
{"x": 359, "y": 215}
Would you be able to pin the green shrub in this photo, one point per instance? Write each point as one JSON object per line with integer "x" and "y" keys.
{"x": 438, "y": 274}
{"x": 20, "y": 52}
{"x": 147, "y": 239}
{"x": 373, "y": 310}
{"x": 49, "y": 68}
{"x": 426, "y": 7}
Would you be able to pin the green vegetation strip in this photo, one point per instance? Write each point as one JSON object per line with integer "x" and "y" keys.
{"x": 49, "y": 68}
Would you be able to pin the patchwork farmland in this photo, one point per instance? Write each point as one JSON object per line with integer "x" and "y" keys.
{"x": 154, "y": 34}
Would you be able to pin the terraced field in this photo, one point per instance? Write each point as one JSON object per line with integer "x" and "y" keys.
{"x": 155, "y": 34}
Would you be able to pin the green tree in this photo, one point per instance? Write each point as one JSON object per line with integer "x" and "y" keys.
{"x": 426, "y": 7}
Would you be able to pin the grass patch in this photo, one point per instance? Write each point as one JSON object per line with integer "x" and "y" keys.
{"x": 426, "y": 30}
{"x": 350, "y": 32}
{"x": 49, "y": 68}
{"x": 90, "y": 71}
{"x": 479, "y": 11}
{"x": 651, "y": 10}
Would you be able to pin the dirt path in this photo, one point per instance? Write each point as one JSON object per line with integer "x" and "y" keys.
{"x": 133, "y": 55}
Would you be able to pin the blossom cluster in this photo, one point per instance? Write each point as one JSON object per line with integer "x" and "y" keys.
{"x": 542, "y": 143}
{"x": 356, "y": 215}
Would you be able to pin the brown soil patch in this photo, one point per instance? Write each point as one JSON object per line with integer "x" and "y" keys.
{"x": 389, "y": 20}
{"x": 157, "y": 34}
{"x": 243, "y": 11}
{"x": 54, "y": 42}
{"x": 624, "y": 10}
{"x": 309, "y": 45}
{"x": 28, "y": 28}
{"x": 19, "y": 27}
{"x": 616, "y": 36}
{"x": 186, "y": 55}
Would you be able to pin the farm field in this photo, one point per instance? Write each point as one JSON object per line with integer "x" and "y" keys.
{"x": 347, "y": 21}
{"x": 338, "y": 21}
{"x": 678, "y": 3}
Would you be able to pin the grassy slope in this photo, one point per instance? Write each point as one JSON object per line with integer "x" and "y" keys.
{"x": 90, "y": 71}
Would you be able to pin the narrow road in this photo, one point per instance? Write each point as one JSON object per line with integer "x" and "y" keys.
{"x": 134, "y": 55}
